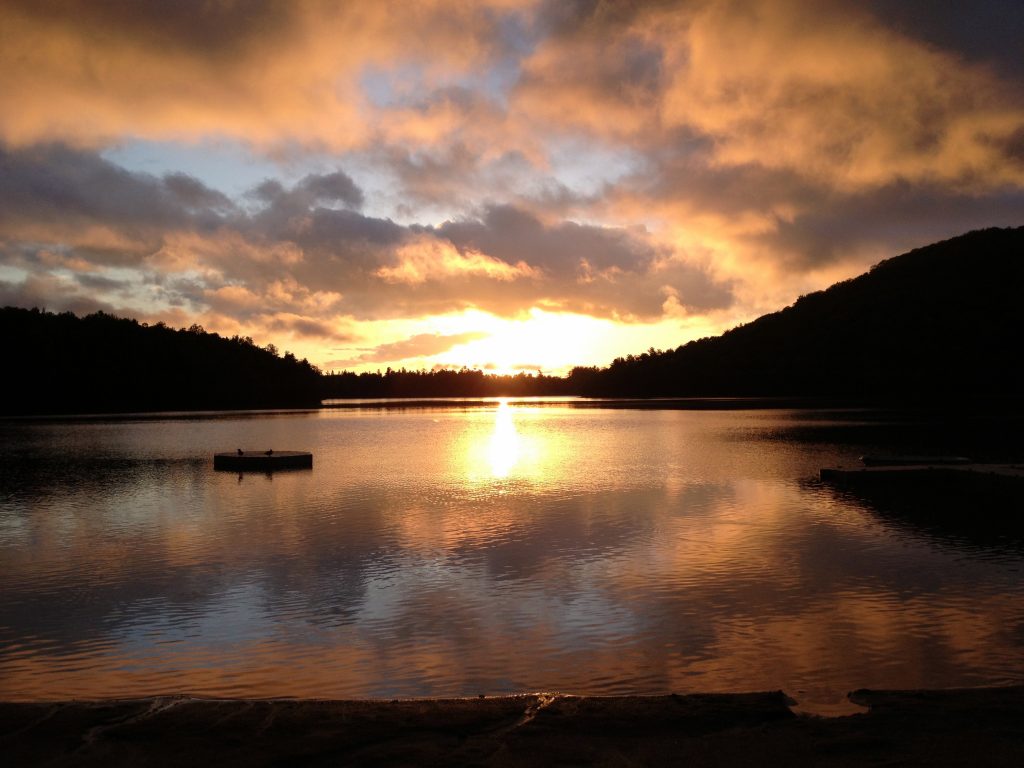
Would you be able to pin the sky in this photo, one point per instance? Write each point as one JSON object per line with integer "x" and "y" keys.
{"x": 514, "y": 185}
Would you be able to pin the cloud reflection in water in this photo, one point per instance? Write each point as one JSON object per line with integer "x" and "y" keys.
{"x": 467, "y": 550}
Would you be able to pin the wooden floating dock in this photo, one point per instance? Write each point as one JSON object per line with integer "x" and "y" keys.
{"x": 988, "y": 475}
{"x": 262, "y": 461}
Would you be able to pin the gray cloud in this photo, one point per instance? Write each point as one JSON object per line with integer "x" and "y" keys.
{"x": 199, "y": 27}
{"x": 331, "y": 187}
{"x": 58, "y": 186}
{"x": 307, "y": 328}
{"x": 50, "y": 293}
{"x": 192, "y": 193}
{"x": 512, "y": 234}
{"x": 884, "y": 223}
{"x": 984, "y": 30}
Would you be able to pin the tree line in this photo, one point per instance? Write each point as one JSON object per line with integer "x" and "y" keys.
{"x": 465, "y": 382}
{"x": 61, "y": 363}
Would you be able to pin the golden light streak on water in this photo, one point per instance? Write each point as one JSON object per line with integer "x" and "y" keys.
{"x": 504, "y": 447}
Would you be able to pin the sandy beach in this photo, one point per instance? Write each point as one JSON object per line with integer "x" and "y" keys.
{"x": 936, "y": 728}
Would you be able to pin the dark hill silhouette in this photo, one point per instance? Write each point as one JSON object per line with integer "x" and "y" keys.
{"x": 943, "y": 321}
{"x": 60, "y": 363}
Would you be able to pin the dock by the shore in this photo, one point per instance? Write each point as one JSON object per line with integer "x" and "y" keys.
{"x": 982, "y": 727}
{"x": 977, "y": 476}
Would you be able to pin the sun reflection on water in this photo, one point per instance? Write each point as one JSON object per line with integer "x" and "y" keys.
{"x": 511, "y": 444}
{"x": 504, "y": 447}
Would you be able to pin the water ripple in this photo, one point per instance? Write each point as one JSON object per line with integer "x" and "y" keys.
{"x": 472, "y": 551}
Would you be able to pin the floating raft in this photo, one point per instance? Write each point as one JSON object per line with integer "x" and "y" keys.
{"x": 262, "y": 461}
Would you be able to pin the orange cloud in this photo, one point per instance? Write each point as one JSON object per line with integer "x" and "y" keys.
{"x": 266, "y": 72}
{"x": 429, "y": 259}
{"x": 698, "y": 162}
{"x": 825, "y": 90}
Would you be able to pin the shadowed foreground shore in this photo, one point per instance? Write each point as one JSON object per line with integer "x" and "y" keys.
{"x": 962, "y": 727}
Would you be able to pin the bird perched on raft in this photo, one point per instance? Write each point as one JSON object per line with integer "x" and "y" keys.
{"x": 269, "y": 460}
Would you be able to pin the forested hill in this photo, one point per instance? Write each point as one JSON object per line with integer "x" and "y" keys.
{"x": 943, "y": 321}
{"x": 60, "y": 363}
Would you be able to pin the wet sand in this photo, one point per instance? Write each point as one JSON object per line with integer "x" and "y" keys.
{"x": 934, "y": 728}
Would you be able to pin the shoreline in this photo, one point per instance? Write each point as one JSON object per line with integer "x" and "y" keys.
{"x": 972, "y": 726}
{"x": 971, "y": 407}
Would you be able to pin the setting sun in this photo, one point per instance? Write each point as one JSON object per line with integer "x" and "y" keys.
{"x": 538, "y": 340}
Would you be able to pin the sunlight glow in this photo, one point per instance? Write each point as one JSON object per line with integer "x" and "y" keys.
{"x": 551, "y": 342}
{"x": 504, "y": 448}
{"x": 537, "y": 340}
{"x": 516, "y": 445}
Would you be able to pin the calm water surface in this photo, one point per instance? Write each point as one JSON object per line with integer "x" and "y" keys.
{"x": 462, "y": 550}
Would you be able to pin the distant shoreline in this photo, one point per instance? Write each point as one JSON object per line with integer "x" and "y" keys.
{"x": 456, "y": 401}
{"x": 1010, "y": 408}
{"x": 938, "y": 727}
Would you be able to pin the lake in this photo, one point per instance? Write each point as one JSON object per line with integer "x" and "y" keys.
{"x": 485, "y": 548}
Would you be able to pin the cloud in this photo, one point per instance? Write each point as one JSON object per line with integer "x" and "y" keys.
{"x": 331, "y": 187}
{"x": 822, "y": 89}
{"x": 193, "y": 194}
{"x": 109, "y": 215}
{"x": 286, "y": 251}
{"x": 270, "y": 72}
{"x": 310, "y": 191}
{"x": 306, "y": 327}
{"x": 604, "y": 271}
{"x": 429, "y": 259}
{"x": 985, "y": 31}
{"x": 643, "y": 162}
{"x": 420, "y": 345}
{"x": 50, "y": 292}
